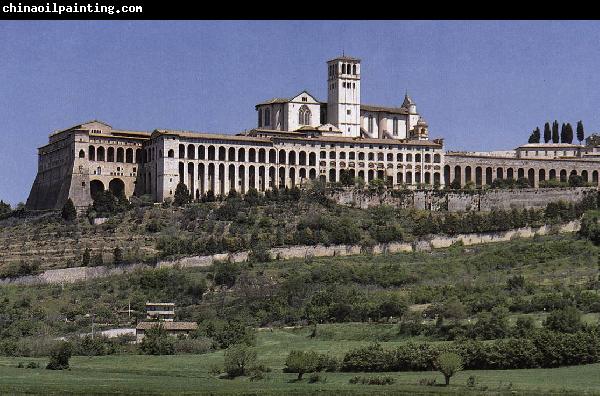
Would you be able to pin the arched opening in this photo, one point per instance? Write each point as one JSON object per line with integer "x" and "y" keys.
{"x": 520, "y": 173}
{"x": 447, "y": 180}
{"x": 595, "y": 177}
{"x": 436, "y": 179}
{"x": 563, "y": 175}
{"x": 181, "y": 172}
{"x": 231, "y": 176}
{"x": 222, "y": 154}
{"x": 211, "y": 178}
{"x": 542, "y": 174}
{"x": 81, "y": 154}
{"x": 312, "y": 159}
{"x": 552, "y": 174}
{"x": 457, "y": 174}
{"x": 531, "y": 177}
{"x": 138, "y": 155}
{"x": 272, "y": 177}
{"x": 262, "y": 176}
{"x": 211, "y": 153}
{"x": 281, "y": 177}
{"x": 292, "y": 177}
{"x": 241, "y": 155}
{"x": 488, "y": 176}
{"x": 201, "y": 153}
{"x": 282, "y": 156}
{"x": 201, "y": 177}
{"x": 110, "y": 154}
{"x": 510, "y": 173}
{"x": 120, "y": 154}
{"x": 409, "y": 178}
{"x": 304, "y": 115}
{"x": 191, "y": 178}
{"x": 221, "y": 175}
{"x": 332, "y": 178}
{"x": 92, "y": 153}
{"x": 96, "y": 186}
{"x": 100, "y": 154}
{"x": 584, "y": 175}
{"x": 262, "y": 156}
{"x": 272, "y": 157}
{"x": 500, "y": 173}
{"x": 467, "y": 174}
{"x": 231, "y": 154}
{"x": 191, "y": 152}
{"x": 171, "y": 153}
{"x": 292, "y": 158}
{"x": 252, "y": 156}
{"x": 242, "y": 179}
{"x": 181, "y": 151}
{"x": 129, "y": 155}
{"x": 427, "y": 178}
{"x": 117, "y": 187}
{"x": 437, "y": 158}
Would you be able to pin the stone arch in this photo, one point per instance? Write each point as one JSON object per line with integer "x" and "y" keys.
{"x": 262, "y": 156}
{"x": 272, "y": 176}
{"x": 292, "y": 177}
{"x": 437, "y": 158}
{"x": 282, "y": 156}
{"x": 531, "y": 177}
{"x": 520, "y": 173}
{"x": 191, "y": 152}
{"x": 510, "y": 173}
{"x": 241, "y": 155}
{"x": 447, "y": 180}
{"x": 399, "y": 178}
{"x": 201, "y": 177}
{"x": 563, "y": 175}
{"x": 427, "y": 178}
{"x": 281, "y": 183}
{"x": 182, "y": 151}
{"x": 211, "y": 177}
{"x": 584, "y": 175}
{"x": 332, "y": 178}
{"x": 292, "y": 158}
{"x": 542, "y": 174}
{"x": 222, "y": 155}
{"x": 110, "y": 154}
{"x": 100, "y": 154}
{"x": 252, "y": 155}
{"x": 499, "y": 173}
{"x": 457, "y": 174}
{"x": 436, "y": 178}
{"x": 595, "y": 177}
{"x": 241, "y": 177}
{"x": 171, "y": 153}
{"x": 138, "y": 155}
{"x": 312, "y": 174}
{"x": 181, "y": 172}
{"x": 129, "y": 155}
{"x": 232, "y": 179}
{"x": 467, "y": 174}
{"x": 191, "y": 179}
{"x": 262, "y": 178}
{"x": 221, "y": 176}
{"x": 81, "y": 153}
{"x": 478, "y": 176}
{"x": 312, "y": 159}
{"x": 92, "y": 153}
{"x": 488, "y": 176}
{"x": 252, "y": 175}
{"x": 427, "y": 158}
{"x": 201, "y": 152}
{"x": 117, "y": 187}
{"x": 120, "y": 154}
{"x": 272, "y": 157}
{"x": 96, "y": 186}
{"x": 302, "y": 158}
{"x": 409, "y": 178}
{"x": 552, "y": 174}
{"x": 231, "y": 154}
{"x": 399, "y": 157}
{"x": 211, "y": 153}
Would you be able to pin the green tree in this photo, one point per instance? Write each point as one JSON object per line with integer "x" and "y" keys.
{"x": 535, "y": 136}
{"x": 448, "y": 364}
{"x": 59, "y": 356}
{"x": 580, "y": 132}
{"x": 87, "y": 256}
{"x": 565, "y": 320}
{"x": 555, "y": 135}
{"x": 576, "y": 181}
{"x": 547, "y": 133}
{"x": 568, "y": 133}
{"x": 68, "y": 213}
{"x": 563, "y": 133}
{"x": 301, "y": 362}
{"x": 238, "y": 359}
{"x": 4, "y": 208}
{"x": 117, "y": 256}
{"x": 156, "y": 341}
{"x": 182, "y": 195}
{"x": 346, "y": 178}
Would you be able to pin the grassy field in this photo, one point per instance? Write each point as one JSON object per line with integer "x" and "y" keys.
{"x": 190, "y": 374}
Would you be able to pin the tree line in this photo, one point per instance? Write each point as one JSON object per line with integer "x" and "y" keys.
{"x": 552, "y": 135}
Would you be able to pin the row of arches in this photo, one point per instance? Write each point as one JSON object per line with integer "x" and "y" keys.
{"x": 116, "y": 186}
{"x": 481, "y": 176}
{"x": 111, "y": 154}
{"x": 291, "y": 157}
{"x": 221, "y": 178}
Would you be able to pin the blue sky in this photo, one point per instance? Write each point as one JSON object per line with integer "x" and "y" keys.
{"x": 480, "y": 85}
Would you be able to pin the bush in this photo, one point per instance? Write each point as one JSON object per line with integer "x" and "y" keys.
{"x": 59, "y": 357}
{"x": 313, "y": 378}
{"x": 238, "y": 359}
{"x": 566, "y": 320}
{"x": 156, "y": 341}
{"x": 68, "y": 213}
{"x": 383, "y": 380}
{"x": 182, "y": 195}
{"x": 196, "y": 346}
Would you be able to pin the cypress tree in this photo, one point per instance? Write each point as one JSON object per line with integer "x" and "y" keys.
{"x": 563, "y": 133}
{"x": 568, "y": 133}
{"x": 580, "y": 133}
{"x": 68, "y": 211}
{"x": 555, "y": 136}
{"x": 535, "y": 136}
{"x": 182, "y": 195}
{"x": 547, "y": 133}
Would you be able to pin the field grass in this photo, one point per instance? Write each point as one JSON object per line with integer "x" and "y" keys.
{"x": 190, "y": 374}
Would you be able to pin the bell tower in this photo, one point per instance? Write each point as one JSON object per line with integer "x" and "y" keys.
{"x": 343, "y": 95}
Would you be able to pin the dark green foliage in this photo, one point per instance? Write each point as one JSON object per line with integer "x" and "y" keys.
{"x": 4, "y": 208}
{"x": 555, "y": 135}
{"x": 373, "y": 380}
{"x": 580, "y": 132}
{"x": 68, "y": 213}
{"x": 563, "y": 133}
{"x": 301, "y": 362}
{"x": 449, "y": 363}
{"x": 238, "y": 359}
{"x": 86, "y": 257}
{"x": 535, "y": 136}
{"x": 118, "y": 256}
{"x": 182, "y": 195}
{"x": 156, "y": 341}
{"x": 590, "y": 227}
{"x": 225, "y": 273}
{"x": 547, "y": 133}
{"x": 59, "y": 356}
{"x": 576, "y": 181}
{"x": 568, "y": 134}
{"x": 230, "y": 332}
{"x": 565, "y": 320}
{"x": 106, "y": 204}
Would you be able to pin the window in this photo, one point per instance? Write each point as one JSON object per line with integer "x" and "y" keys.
{"x": 370, "y": 126}
{"x": 267, "y": 117}
{"x": 354, "y": 69}
{"x": 304, "y": 99}
{"x": 395, "y": 126}
{"x": 304, "y": 115}
{"x": 259, "y": 118}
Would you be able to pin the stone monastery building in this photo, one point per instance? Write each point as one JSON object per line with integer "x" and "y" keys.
{"x": 296, "y": 139}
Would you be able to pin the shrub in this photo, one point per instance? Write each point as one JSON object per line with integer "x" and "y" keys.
{"x": 196, "y": 346}
{"x": 59, "y": 357}
{"x": 33, "y": 365}
{"x": 315, "y": 377}
{"x": 566, "y": 320}
{"x": 68, "y": 213}
{"x": 448, "y": 364}
{"x": 238, "y": 358}
{"x": 378, "y": 380}
{"x": 156, "y": 341}
{"x": 182, "y": 195}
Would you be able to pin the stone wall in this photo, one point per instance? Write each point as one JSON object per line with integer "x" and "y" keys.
{"x": 483, "y": 200}
{"x": 76, "y": 274}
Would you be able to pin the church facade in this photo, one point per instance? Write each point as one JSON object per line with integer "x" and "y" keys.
{"x": 296, "y": 140}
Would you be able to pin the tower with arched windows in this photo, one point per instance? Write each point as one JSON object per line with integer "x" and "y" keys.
{"x": 343, "y": 95}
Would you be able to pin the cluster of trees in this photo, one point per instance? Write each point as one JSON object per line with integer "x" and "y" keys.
{"x": 552, "y": 134}
{"x": 543, "y": 348}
